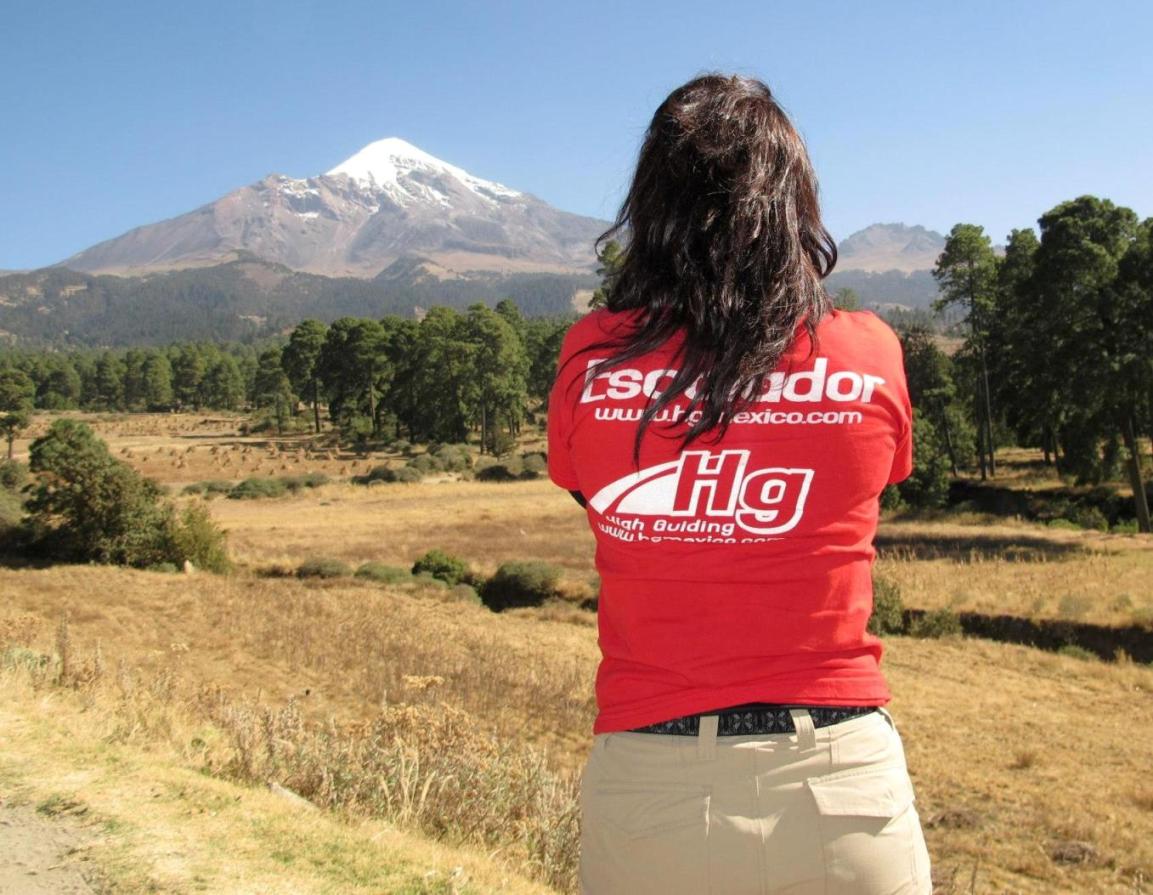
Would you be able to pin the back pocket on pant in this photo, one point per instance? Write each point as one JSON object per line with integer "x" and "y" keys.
{"x": 870, "y": 791}
{"x": 870, "y": 829}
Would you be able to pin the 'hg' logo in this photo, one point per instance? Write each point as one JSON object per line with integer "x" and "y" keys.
{"x": 761, "y": 501}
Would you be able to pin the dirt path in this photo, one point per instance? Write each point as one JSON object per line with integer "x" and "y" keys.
{"x": 41, "y": 855}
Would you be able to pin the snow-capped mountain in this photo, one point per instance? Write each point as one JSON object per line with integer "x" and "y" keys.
{"x": 387, "y": 200}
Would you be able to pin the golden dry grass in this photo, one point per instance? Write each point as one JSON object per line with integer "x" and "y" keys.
{"x": 162, "y": 826}
{"x": 1013, "y": 751}
{"x": 1031, "y": 768}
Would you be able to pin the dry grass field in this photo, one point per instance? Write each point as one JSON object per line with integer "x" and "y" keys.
{"x": 1032, "y": 768}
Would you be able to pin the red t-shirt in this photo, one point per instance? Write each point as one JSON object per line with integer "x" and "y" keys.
{"x": 739, "y": 570}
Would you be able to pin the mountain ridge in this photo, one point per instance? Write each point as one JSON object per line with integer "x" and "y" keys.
{"x": 391, "y": 199}
{"x": 387, "y": 200}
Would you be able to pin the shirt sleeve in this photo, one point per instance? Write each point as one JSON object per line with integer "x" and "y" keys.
{"x": 560, "y": 465}
{"x": 902, "y": 466}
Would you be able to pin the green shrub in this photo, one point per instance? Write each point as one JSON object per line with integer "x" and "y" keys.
{"x": 465, "y": 593}
{"x": 535, "y": 462}
{"x": 1121, "y": 603}
{"x": 1125, "y": 526}
{"x": 1089, "y": 517}
{"x": 1077, "y": 652}
{"x": 1073, "y": 605}
{"x": 496, "y": 472}
{"x": 454, "y": 458}
{"x": 928, "y": 485}
{"x": 936, "y": 623}
{"x": 11, "y": 511}
{"x": 13, "y": 475}
{"x": 295, "y": 483}
{"x": 426, "y": 463}
{"x": 385, "y": 574}
{"x": 323, "y": 567}
{"x": 22, "y": 657}
{"x": 888, "y": 609}
{"x": 502, "y": 443}
{"x": 217, "y": 486}
{"x": 196, "y": 537}
{"x": 89, "y": 506}
{"x": 292, "y": 483}
{"x": 891, "y": 498}
{"x": 428, "y": 580}
{"x": 255, "y": 488}
{"x": 1064, "y": 524}
{"x": 384, "y": 473}
{"x": 379, "y": 473}
{"x": 193, "y": 488}
{"x": 404, "y": 447}
{"x": 517, "y": 583}
{"x": 448, "y": 568}
{"x": 166, "y": 567}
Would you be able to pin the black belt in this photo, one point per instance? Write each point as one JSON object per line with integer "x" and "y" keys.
{"x": 756, "y": 718}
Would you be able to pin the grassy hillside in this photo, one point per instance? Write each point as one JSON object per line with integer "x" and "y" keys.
{"x": 412, "y": 703}
{"x": 154, "y": 823}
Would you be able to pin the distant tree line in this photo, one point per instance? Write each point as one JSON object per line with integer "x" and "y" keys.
{"x": 439, "y": 378}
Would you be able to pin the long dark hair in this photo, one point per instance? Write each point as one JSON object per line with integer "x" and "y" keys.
{"x": 725, "y": 241}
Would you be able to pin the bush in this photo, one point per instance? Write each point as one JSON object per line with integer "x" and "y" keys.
{"x": 888, "y": 609}
{"x": 384, "y": 473}
{"x": 404, "y": 447}
{"x": 165, "y": 567}
{"x": 936, "y": 623}
{"x": 193, "y": 488}
{"x": 452, "y": 570}
{"x": 385, "y": 574}
{"x": 426, "y": 463}
{"x": 465, "y": 593}
{"x": 502, "y": 443}
{"x": 11, "y": 512}
{"x": 13, "y": 475}
{"x": 516, "y": 583}
{"x": 1077, "y": 652}
{"x": 1125, "y": 526}
{"x": 22, "y": 657}
{"x": 308, "y": 480}
{"x": 217, "y": 486}
{"x": 891, "y": 498}
{"x": 322, "y": 567}
{"x": 1065, "y": 524}
{"x": 1089, "y": 517}
{"x": 535, "y": 462}
{"x": 255, "y": 488}
{"x": 1073, "y": 605}
{"x": 428, "y": 580}
{"x": 454, "y": 458}
{"x": 379, "y": 473}
{"x": 496, "y": 472}
{"x": 197, "y": 538}
{"x": 928, "y": 485}
{"x": 87, "y": 505}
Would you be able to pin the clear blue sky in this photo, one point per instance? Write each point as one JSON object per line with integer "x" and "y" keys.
{"x": 116, "y": 113}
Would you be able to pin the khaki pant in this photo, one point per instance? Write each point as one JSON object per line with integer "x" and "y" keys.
{"x": 821, "y": 811}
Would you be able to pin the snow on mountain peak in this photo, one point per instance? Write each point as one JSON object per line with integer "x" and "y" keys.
{"x": 384, "y": 163}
